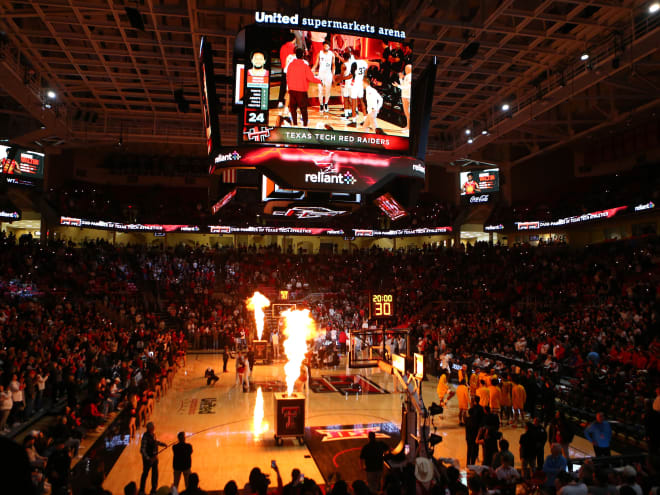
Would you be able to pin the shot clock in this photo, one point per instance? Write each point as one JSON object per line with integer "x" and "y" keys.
{"x": 382, "y": 305}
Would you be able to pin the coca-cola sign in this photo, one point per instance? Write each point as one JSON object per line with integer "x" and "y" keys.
{"x": 480, "y": 199}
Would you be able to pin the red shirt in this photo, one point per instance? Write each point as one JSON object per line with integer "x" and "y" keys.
{"x": 299, "y": 75}
{"x": 286, "y": 50}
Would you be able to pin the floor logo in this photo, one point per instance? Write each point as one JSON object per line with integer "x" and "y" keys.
{"x": 207, "y": 406}
{"x": 331, "y": 435}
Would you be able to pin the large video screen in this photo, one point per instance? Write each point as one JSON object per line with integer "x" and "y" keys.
{"x": 324, "y": 89}
{"x": 23, "y": 163}
{"x": 209, "y": 98}
{"x": 479, "y": 181}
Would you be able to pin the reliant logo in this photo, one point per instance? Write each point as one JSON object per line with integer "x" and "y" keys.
{"x": 647, "y": 206}
{"x": 336, "y": 178}
{"x": 418, "y": 167}
{"x": 228, "y": 157}
{"x": 479, "y": 199}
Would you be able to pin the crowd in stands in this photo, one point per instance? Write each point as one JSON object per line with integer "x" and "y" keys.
{"x": 89, "y": 333}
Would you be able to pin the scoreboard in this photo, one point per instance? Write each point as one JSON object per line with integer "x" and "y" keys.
{"x": 381, "y": 305}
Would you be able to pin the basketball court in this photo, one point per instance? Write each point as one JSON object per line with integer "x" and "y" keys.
{"x": 342, "y": 406}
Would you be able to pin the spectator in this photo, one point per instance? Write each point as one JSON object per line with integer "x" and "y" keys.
{"x": 599, "y": 433}
{"x": 567, "y": 485}
{"x": 371, "y": 461}
{"x": 554, "y": 464}
{"x": 193, "y": 486}
{"x": 181, "y": 460}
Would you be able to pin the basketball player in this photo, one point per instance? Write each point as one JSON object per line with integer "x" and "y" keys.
{"x": 325, "y": 64}
{"x": 318, "y": 39}
{"x": 471, "y": 186}
{"x": 348, "y": 58}
{"x": 404, "y": 84}
{"x": 358, "y": 69}
{"x": 258, "y": 70}
{"x": 374, "y": 104}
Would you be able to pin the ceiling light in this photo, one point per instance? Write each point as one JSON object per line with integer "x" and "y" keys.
{"x": 505, "y": 107}
{"x": 51, "y": 94}
{"x": 468, "y": 131}
{"x": 470, "y": 141}
{"x": 654, "y": 7}
{"x": 584, "y": 56}
{"x": 484, "y": 132}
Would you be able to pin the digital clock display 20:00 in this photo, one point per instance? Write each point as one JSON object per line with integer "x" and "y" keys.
{"x": 382, "y": 305}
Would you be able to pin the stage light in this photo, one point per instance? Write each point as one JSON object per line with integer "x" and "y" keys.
{"x": 484, "y": 132}
{"x": 654, "y": 7}
{"x": 468, "y": 131}
{"x": 51, "y": 94}
{"x": 505, "y": 107}
{"x": 584, "y": 56}
{"x": 470, "y": 141}
{"x": 434, "y": 439}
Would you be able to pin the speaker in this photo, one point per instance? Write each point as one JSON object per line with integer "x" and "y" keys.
{"x": 135, "y": 18}
{"x": 470, "y": 50}
{"x": 181, "y": 102}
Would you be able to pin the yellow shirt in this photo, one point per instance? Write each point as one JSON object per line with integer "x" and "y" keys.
{"x": 484, "y": 396}
{"x": 463, "y": 396}
{"x": 518, "y": 396}
{"x": 443, "y": 388}
{"x": 495, "y": 397}
{"x": 506, "y": 393}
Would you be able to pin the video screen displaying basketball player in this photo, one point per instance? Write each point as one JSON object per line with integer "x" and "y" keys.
{"x": 338, "y": 104}
{"x": 471, "y": 186}
{"x": 324, "y": 68}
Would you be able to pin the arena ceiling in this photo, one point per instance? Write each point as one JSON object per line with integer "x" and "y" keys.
{"x": 113, "y": 81}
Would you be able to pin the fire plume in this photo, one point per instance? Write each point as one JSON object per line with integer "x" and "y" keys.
{"x": 259, "y": 426}
{"x": 299, "y": 328}
{"x": 257, "y": 303}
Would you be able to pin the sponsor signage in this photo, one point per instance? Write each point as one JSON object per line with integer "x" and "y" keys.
{"x": 323, "y": 170}
{"x": 586, "y": 217}
{"x": 227, "y": 157}
{"x": 223, "y": 201}
{"x": 128, "y": 227}
{"x": 10, "y": 215}
{"x": 308, "y": 212}
{"x": 490, "y": 228}
{"x": 646, "y": 206}
{"x": 482, "y": 198}
{"x": 226, "y": 229}
{"x": 316, "y": 24}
